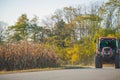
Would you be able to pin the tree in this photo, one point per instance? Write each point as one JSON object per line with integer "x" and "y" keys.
{"x": 60, "y": 33}
{"x": 111, "y": 13}
{"x": 34, "y": 29}
{"x": 20, "y": 29}
{"x": 2, "y": 31}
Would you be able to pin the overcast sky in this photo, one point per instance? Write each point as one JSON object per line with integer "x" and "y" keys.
{"x": 10, "y": 10}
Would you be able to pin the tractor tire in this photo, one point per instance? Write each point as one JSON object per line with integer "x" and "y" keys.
{"x": 98, "y": 62}
{"x": 117, "y": 61}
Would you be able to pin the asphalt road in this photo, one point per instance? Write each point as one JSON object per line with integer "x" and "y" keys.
{"x": 66, "y": 74}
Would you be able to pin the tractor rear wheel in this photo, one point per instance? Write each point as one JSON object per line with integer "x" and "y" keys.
{"x": 117, "y": 61}
{"x": 98, "y": 62}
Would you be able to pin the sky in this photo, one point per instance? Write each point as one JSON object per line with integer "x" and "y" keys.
{"x": 10, "y": 10}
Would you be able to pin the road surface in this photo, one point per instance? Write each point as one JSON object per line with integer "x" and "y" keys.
{"x": 66, "y": 74}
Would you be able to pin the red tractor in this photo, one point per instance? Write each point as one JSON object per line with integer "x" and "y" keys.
{"x": 107, "y": 52}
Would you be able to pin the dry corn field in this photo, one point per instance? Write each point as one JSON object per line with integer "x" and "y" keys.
{"x": 17, "y": 56}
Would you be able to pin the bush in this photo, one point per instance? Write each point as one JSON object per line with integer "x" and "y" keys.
{"x": 23, "y": 55}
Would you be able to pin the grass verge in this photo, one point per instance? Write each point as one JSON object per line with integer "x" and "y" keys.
{"x": 28, "y": 70}
{"x": 46, "y": 69}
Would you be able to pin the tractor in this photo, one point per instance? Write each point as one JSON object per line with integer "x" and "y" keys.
{"x": 107, "y": 52}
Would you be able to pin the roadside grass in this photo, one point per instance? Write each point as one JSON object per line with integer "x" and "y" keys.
{"x": 56, "y": 68}
{"x": 29, "y": 70}
{"x": 46, "y": 69}
{"x": 76, "y": 67}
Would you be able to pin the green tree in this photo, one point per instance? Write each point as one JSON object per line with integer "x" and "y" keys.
{"x": 59, "y": 33}
{"x": 19, "y": 31}
{"x": 34, "y": 29}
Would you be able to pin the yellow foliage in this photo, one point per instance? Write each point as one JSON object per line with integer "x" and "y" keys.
{"x": 75, "y": 58}
{"x": 110, "y": 36}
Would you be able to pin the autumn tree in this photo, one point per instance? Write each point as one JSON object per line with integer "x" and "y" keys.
{"x": 2, "y": 31}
